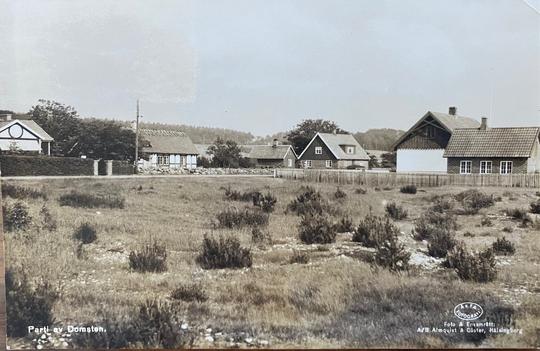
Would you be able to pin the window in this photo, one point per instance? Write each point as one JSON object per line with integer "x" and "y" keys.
{"x": 163, "y": 159}
{"x": 430, "y": 131}
{"x": 318, "y": 150}
{"x": 506, "y": 167}
{"x": 290, "y": 162}
{"x": 350, "y": 149}
{"x": 485, "y": 167}
{"x": 307, "y": 164}
{"x": 465, "y": 167}
{"x": 328, "y": 163}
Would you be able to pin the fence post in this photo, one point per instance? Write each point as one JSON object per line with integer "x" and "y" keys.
{"x": 109, "y": 167}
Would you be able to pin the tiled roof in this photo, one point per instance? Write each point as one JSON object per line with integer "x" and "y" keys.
{"x": 32, "y": 125}
{"x": 454, "y": 121}
{"x": 269, "y": 152}
{"x": 492, "y": 142}
{"x": 335, "y": 141}
{"x": 167, "y": 142}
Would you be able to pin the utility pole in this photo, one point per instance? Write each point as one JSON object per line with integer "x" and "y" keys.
{"x": 137, "y": 135}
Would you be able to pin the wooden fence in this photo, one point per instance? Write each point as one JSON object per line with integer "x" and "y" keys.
{"x": 392, "y": 179}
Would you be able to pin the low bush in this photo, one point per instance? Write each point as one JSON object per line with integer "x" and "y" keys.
{"x": 473, "y": 200}
{"x": 309, "y": 201}
{"x": 224, "y": 252}
{"x": 189, "y": 292}
{"x": 234, "y": 218}
{"x": 396, "y": 211}
{"x": 26, "y": 305}
{"x": 76, "y": 199}
{"x": 345, "y": 225}
{"x": 265, "y": 202}
{"x": 478, "y": 267}
{"x": 361, "y": 191}
{"x": 316, "y": 229}
{"x": 431, "y": 221}
{"x": 16, "y": 217}
{"x": 508, "y": 229}
{"x": 504, "y": 247}
{"x": 517, "y": 213}
{"x": 85, "y": 233}
{"x": 152, "y": 257}
{"x": 340, "y": 194}
{"x": 442, "y": 205}
{"x": 47, "y": 220}
{"x": 535, "y": 206}
{"x": 440, "y": 242}
{"x": 392, "y": 255}
{"x": 408, "y": 189}
{"x": 19, "y": 192}
{"x": 486, "y": 221}
{"x": 153, "y": 324}
{"x": 373, "y": 231}
{"x": 299, "y": 257}
{"x": 260, "y": 237}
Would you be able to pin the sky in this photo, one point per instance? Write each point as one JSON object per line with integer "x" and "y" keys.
{"x": 263, "y": 66}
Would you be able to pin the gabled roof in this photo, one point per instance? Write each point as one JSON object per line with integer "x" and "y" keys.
{"x": 492, "y": 142}
{"x": 447, "y": 121}
{"x": 30, "y": 125}
{"x": 167, "y": 142}
{"x": 334, "y": 143}
{"x": 270, "y": 152}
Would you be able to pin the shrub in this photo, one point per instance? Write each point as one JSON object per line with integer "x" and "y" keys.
{"x": 47, "y": 220}
{"x": 19, "y": 192}
{"x": 517, "y": 213}
{"x": 486, "y": 221}
{"x": 431, "y": 221}
{"x": 86, "y": 233}
{"x": 299, "y": 257}
{"x": 308, "y": 202}
{"x": 440, "y": 242}
{"x": 316, "y": 229}
{"x": 468, "y": 235}
{"x": 154, "y": 324}
{"x": 373, "y": 231}
{"x": 392, "y": 255}
{"x": 473, "y": 200}
{"x": 76, "y": 199}
{"x": 479, "y": 268}
{"x": 189, "y": 292}
{"x": 408, "y": 189}
{"x": 508, "y": 229}
{"x": 234, "y": 218}
{"x": 340, "y": 194}
{"x": 361, "y": 191}
{"x": 260, "y": 237}
{"x": 265, "y": 202}
{"x": 16, "y": 217}
{"x": 535, "y": 207}
{"x": 504, "y": 247}
{"x": 152, "y": 257}
{"x": 27, "y": 306}
{"x": 442, "y": 205}
{"x": 345, "y": 225}
{"x": 396, "y": 211}
{"x": 225, "y": 252}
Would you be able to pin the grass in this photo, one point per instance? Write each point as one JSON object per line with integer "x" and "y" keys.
{"x": 337, "y": 300}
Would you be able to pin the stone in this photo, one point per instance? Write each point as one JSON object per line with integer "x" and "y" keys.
{"x": 209, "y": 338}
{"x": 184, "y": 326}
{"x": 263, "y": 342}
{"x": 39, "y": 347}
{"x": 248, "y": 340}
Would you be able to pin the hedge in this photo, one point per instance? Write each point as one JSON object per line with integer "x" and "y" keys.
{"x": 122, "y": 167}
{"x": 17, "y": 165}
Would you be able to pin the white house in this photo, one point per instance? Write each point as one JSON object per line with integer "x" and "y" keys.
{"x": 23, "y": 135}
{"x": 167, "y": 149}
{"x": 422, "y": 147}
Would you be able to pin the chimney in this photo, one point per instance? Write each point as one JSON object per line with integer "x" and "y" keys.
{"x": 275, "y": 143}
{"x": 483, "y": 124}
{"x": 452, "y": 110}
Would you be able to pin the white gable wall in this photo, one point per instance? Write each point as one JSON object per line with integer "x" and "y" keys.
{"x": 533, "y": 163}
{"x": 27, "y": 141}
{"x": 420, "y": 160}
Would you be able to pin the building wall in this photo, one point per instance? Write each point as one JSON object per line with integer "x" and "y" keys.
{"x": 289, "y": 156}
{"x": 419, "y": 160}
{"x": 533, "y": 164}
{"x": 309, "y": 153}
{"x": 421, "y": 138}
{"x": 519, "y": 165}
{"x": 175, "y": 161}
{"x": 24, "y": 145}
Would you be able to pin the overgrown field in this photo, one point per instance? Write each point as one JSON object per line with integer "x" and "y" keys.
{"x": 261, "y": 262}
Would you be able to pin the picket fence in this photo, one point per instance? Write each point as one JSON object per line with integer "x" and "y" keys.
{"x": 392, "y": 179}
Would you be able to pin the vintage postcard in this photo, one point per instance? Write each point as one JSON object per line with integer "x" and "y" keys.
{"x": 270, "y": 174}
